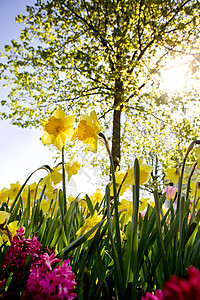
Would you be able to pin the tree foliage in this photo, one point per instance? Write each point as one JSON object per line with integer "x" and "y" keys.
{"x": 106, "y": 54}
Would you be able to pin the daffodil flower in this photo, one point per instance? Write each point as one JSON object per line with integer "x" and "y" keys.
{"x": 145, "y": 172}
{"x": 14, "y": 190}
{"x": 89, "y": 224}
{"x": 12, "y": 227}
{"x": 72, "y": 168}
{"x": 58, "y": 129}
{"x": 3, "y": 195}
{"x": 33, "y": 191}
{"x": 173, "y": 175}
{"x": 195, "y": 189}
{"x": 70, "y": 199}
{"x": 4, "y": 216}
{"x": 53, "y": 177}
{"x": 97, "y": 196}
{"x": 143, "y": 204}
{"x": 119, "y": 177}
{"x": 126, "y": 207}
{"x": 197, "y": 153}
{"x": 88, "y": 130}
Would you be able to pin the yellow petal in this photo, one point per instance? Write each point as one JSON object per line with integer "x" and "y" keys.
{"x": 197, "y": 152}
{"x": 59, "y": 113}
{"x": 95, "y": 120}
{"x": 69, "y": 134}
{"x": 58, "y": 142}
{"x": 198, "y": 163}
{"x": 47, "y": 138}
{"x": 87, "y": 119}
{"x": 92, "y": 144}
{"x": 44, "y": 122}
{"x": 4, "y": 216}
{"x": 172, "y": 175}
{"x": 69, "y": 120}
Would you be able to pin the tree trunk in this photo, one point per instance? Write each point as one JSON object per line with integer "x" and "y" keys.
{"x": 117, "y": 122}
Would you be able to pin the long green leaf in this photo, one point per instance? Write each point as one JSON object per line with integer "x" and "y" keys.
{"x": 79, "y": 241}
{"x": 117, "y": 267}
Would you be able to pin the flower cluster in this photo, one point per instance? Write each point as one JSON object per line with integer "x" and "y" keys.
{"x": 58, "y": 129}
{"x": 44, "y": 282}
{"x": 179, "y": 289}
{"x": 20, "y": 248}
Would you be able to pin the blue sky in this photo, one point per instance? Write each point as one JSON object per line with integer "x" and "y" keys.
{"x": 21, "y": 150}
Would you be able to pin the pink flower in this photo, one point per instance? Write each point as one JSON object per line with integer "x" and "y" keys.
{"x": 178, "y": 289}
{"x": 171, "y": 192}
{"x": 158, "y": 296}
{"x": 47, "y": 283}
{"x": 20, "y": 248}
{"x": 47, "y": 260}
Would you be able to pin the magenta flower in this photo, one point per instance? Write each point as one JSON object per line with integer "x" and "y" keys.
{"x": 20, "y": 248}
{"x": 44, "y": 282}
{"x": 47, "y": 260}
{"x": 179, "y": 289}
{"x": 158, "y": 296}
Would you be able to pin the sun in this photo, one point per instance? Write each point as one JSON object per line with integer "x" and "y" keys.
{"x": 175, "y": 76}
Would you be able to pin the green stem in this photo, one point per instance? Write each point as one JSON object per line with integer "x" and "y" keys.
{"x": 63, "y": 183}
{"x": 116, "y": 200}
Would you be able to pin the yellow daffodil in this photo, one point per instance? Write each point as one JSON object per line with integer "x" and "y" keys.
{"x": 198, "y": 163}
{"x": 126, "y": 207}
{"x": 53, "y": 177}
{"x": 51, "y": 193}
{"x": 172, "y": 175}
{"x": 82, "y": 204}
{"x": 72, "y": 168}
{"x": 197, "y": 152}
{"x": 3, "y": 195}
{"x": 143, "y": 204}
{"x": 96, "y": 197}
{"x": 70, "y": 199}
{"x": 145, "y": 172}
{"x": 195, "y": 188}
{"x": 44, "y": 205}
{"x": 58, "y": 129}
{"x": 14, "y": 190}
{"x": 33, "y": 190}
{"x": 12, "y": 227}
{"x": 152, "y": 203}
{"x": 88, "y": 130}
{"x": 4, "y": 216}
{"x": 119, "y": 177}
{"x": 1, "y": 240}
{"x": 89, "y": 224}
